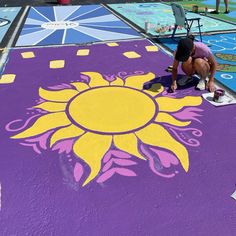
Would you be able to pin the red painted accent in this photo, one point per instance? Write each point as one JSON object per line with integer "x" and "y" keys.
{"x": 64, "y": 1}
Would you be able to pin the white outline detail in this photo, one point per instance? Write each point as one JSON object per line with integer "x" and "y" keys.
{"x": 226, "y": 76}
{"x": 64, "y": 37}
{"x": 86, "y": 13}
{"x": 72, "y": 12}
{"x": 41, "y": 14}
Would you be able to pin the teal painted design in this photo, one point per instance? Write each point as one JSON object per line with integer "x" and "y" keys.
{"x": 155, "y": 13}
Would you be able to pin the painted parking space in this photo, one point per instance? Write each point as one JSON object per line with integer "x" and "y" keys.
{"x": 78, "y": 136}
{"x": 7, "y": 16}
{"x": 72, "y": 25}
{"x": 92, "y": 142}
{"x": 155, "y": 13}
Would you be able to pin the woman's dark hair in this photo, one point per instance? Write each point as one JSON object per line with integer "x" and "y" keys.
{"x": 191, "y": 37}
{"x": 184, "y": 49}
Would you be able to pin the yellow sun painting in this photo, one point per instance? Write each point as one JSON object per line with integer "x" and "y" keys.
{"x": 100, "y": 114}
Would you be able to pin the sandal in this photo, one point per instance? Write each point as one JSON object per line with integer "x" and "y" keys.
{"x": 227, "y": 12}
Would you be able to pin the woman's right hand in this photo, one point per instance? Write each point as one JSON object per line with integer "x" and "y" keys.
{"x": 173, "y": 86}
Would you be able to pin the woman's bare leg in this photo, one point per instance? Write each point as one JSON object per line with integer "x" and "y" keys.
{"x": 187, "y": 67}
{"x": 201, "y": 67}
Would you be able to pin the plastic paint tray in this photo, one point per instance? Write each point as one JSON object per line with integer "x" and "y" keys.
{"x": 227, "y": 99}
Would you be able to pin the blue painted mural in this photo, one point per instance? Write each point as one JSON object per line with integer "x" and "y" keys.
{"x": 72, "y": 25}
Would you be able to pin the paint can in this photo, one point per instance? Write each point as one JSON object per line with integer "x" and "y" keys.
{"x": 64, "y": 2}
{"x": 219, "y": 95}
{"x": 195, "y": 8}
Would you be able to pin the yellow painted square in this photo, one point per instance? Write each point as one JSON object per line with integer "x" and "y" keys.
{"x": 56, "y": 64}
{"x": 151, "y": 48}
{"x": 131, "y": 54}
{"x": 112, "y": 44}
{"x": 83, "y": 52}
{"x": 7, "y": 78}
{"x": 27, "y": 55}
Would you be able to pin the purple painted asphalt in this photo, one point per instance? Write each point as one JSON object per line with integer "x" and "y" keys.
{"x": 39, "y": 195}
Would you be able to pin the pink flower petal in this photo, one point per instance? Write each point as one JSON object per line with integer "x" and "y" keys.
{"x": 123, "y": 162}
{"x": 120, "y": 154}
{"x": 107, "y": 166}
{"x": 107, "y": 156}
{"x": 78, "y": 171}
{"x": 107, "y": 175}
{"x": 166, "y": 158}
{"x": 125, "y": 172}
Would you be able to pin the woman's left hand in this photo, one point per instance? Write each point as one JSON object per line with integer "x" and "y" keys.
{"x": 211, "y": 86}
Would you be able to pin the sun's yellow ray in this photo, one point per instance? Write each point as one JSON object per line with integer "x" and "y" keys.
{"x": 91, "y": 148}
{"x": 70, "y": 131}
{"x": 156, "y": 135}
{"x": 137, "y": 81}
{"x": 96, "y": 79}
{"x": 80, "y": 86}
{"x": 52, "y": 106}
{"x": 166, "y": 118}
{"x": 173, "y": 104}
{"x": 57, "y": 96}
{"x": 118, "y": 81}
{"x": 154, "y": 90}
{"x": 128, "y": 143}
{"x": 43, "y": 124}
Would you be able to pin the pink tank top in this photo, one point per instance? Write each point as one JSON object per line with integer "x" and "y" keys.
{"x": 201, "y": 50}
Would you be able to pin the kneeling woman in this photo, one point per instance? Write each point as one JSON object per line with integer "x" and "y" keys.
{"x": 196, "y": 58}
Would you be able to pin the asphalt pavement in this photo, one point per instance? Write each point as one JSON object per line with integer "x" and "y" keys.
{"x": 12, "y": 3}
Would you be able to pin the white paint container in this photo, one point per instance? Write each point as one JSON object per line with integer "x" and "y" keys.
{"x": 147, "y": 26}
{"x": 219, "y": 95}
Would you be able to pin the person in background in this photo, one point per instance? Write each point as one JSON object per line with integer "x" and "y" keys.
{"x": 196, "y": 58}
{"x": 217, "y": 7}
